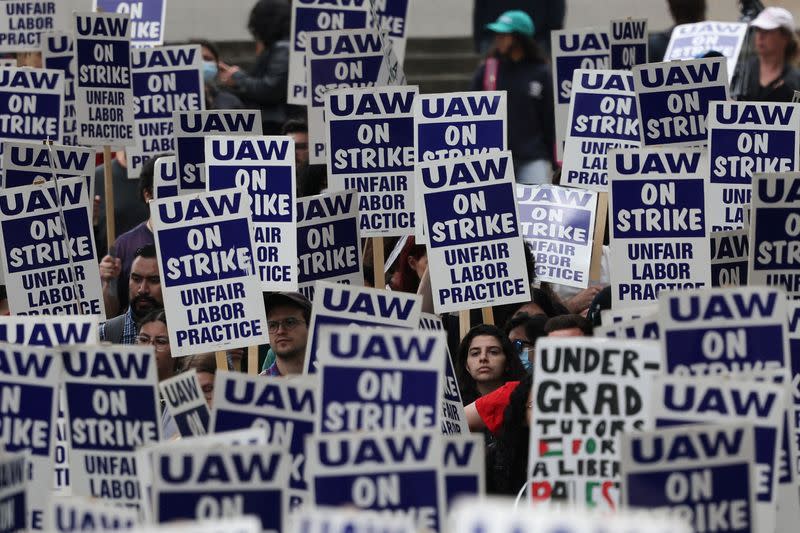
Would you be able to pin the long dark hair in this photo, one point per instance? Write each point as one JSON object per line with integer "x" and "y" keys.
{"x": 513, "y": 368}
{"x": 269, "y": 21}
{"x": 407, "y": 277}
{"x": 532, "y": 52}
{"x": 507, "y": 460}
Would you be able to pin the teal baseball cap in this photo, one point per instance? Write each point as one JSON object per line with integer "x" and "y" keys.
{"x": 514, "y": 21}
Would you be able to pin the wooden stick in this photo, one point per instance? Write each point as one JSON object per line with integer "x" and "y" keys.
{"x": 488, "y": 315}
{"x": 109, "y": 192}
{"x": 378, "y": 263}
{"x": 599, "y": 235}
{"x": 252, "y": 360}
{"x": 222, "y": 360}
{"x": 463, "y": 323}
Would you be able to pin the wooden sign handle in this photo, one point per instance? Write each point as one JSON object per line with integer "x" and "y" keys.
{"x": 463, "y": 323}
{"x": 252, "y": 360}
{"x": 222, "y": 360}
{"x": 108, "y": 180}
{"x": 378, "y": 263}
{"x": 488, "y": 315}
{"x": 599, "y": 234}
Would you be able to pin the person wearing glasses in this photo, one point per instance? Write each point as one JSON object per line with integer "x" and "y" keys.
{"x": 288, "y": 316}
{"x": 485, "y": 361}
{"x": 523, "y": 330}
{"x": 153, "y": 330}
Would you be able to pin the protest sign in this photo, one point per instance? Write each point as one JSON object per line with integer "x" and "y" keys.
{"x": 454, "y": 421}
{"x": 690, "y": 41}
{"x": 335, "y": 520}
{"x": 558, "y": 223}
{"x": 463, "y": 467}
{"x": 14, "y": 493}
{"x": 262, "y": 167}
{"x": 602, "y": 115}
{"x": 31, "y": 104}
{"x": 189, "y": 130}
{"x": 216, "y": 481}
{"x": 337, "y": 60}
{"x": 165, "y": 178}
{"x": 166, "y": 80}
{"x": 370, "y": 136}
{"x": 186, "y": 403}
{"x": 729, "y": 250}
{"x": 147, "y": 18}
{"x": 721, "y": 330}
{"x": 745, "y": 139}
{"x": 282, "y": 409}
{"x": 612, "y": 316}
{"x": 49, "y": 259}
{"x": 79, "y": 514}
{"x": 212, "y": 294}
{"x": 627, "y": 43}
{"x": 22, "y": 23}
{"x": 394, "y": 472}
{"x": 379, "y": 379}
{"x": 793, "y": 333}
{"x": 570, "y": 50}
{"x": 29, "y": 378}
{"x": 340, "y": 305}
{"x": 774, "y": 254}
{"x": 112, "y": 409}
{"x": 587, "y": 392}
{"x": 475, "y": 249}
{"x": 659, "y": 230}
{"x": 700, "y": 473}
{"x": 678, "y": 400}
{"x": 674, "y": 98}
{"x": 58, "y": 53}
{"x": 328, "y": 243}
{"x": 390, "y": 16}
{"x": 312, "y": 16}
{"x": 646, "y": 328}
{"x": 103, "y": 92}
{"x": 246, "y": 524}
{"x": 26, "y": 163}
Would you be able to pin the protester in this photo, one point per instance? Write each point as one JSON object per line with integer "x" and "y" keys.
{"x": 507, "y": 455}
{"x": 153, "y": 330}
{"x": 523, "y": 331}
{"x": 264, "y": 87}
{"x": 683, "y": 12}
{"x": 517, "y": 65}
{"x": 485, "y": 360}
{"x": 217, "y": 97}
{"x": 144, "y": 295}
{"x": 411, "y": 265}
{"x": 118, "y": 265}
{"x": 773, "y": 78}
{"x": 128, "y": 210}
{"x": 288, "y": 317}
{"x": 547, "y": 15}
{"x": 568, "y": 326}
{"x": 298, "y": 130}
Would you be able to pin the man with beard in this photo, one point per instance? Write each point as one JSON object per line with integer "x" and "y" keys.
{"x": 144, "y": 294}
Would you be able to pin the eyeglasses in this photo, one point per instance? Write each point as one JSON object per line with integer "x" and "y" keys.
{"x": 288, "y": 324}
{"x": 520, "y": 345}
{"x": 161, "y": 344}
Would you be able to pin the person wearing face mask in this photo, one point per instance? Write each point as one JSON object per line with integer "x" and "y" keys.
{"x": 517, "y": 65}
{"x": 217, "y": 97}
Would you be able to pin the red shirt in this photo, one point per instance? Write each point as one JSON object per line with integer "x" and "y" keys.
{"x": 491, "y": 406}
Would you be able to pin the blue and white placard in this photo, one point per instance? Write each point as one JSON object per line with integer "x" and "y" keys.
{"x": 558, "y": 223}
{"x": 26, "y": 163}
{"x": 103, "y": 90}
{"x": 729, "y": 251}
{"x": 475, "y": 249}
{"x": 464, "y": 467}
{"x": 166, "y": 80}
{"x": 14, "y": 492}
{"x": 312, "y": 16}
{"x": 31, "y": 104}
{"x": 747, "y": 138}
{"x": 602, "y": 116}
{"x": 645, "y": 328}
{"x": 794, "y": 355}
{"x": 570, "y": 50}
{"x": 189, "y": 130}
{"x": 339, "y": 520}
{"x": 774, "y": 255}
{"x": 391, "y": 16}
{"x": 165, "y": 177}
{"x": 186, "y": 403}
{"x": 328, "y": 241}
{"x": 264, "y": 168}
{"x": 23, "y": 23}
{"x": 658, "y": 224}
{"x": 210, "y": 286}
{"x": 82, "y": 514}
{"x": 370, "y": 139}
{"x": 147, "y": 18}
{"x": 628, "y": 43}
{"x": 58, "y": 54}
{"x": 674, "y": 98}
{"x": 690, "y": 41}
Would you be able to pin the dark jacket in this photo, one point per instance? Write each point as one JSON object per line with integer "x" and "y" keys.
{"x": 779, "y": 90}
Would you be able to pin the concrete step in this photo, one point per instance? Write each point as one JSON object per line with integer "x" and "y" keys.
{"x": 437, "y": 45}
{"x": 429, "y": 63}
{"x": 441, "y": 83}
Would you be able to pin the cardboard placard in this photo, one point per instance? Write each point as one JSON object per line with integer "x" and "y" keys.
{"x": 335, "y": 520}
{"x": 166, "y": 80}
{"x": 772, "y": 259}
{"x": 370, "y": 139}
{"x": 586, "y": 393}
{"x": 602, "y": 116}
{"x": 341, "y": 305}
{"x": 26, "y": 163}
{"x": 103, "y": 90}
{"x": 673, "y": 100}
{"x": 14, "y": 492}
{"x": 58, "y": 53}
{"x": 793, "y": 332}
{"x": 165, "y": 178}
{"x": 264, "y": 168}
{"x": 729, "y": 251}
{"x": 628, "y": 43}
{"x": 212, "y": 294}
{"x": 247, "y": 524}
{"x": 31, "y": 104}
{"x": 24, "y": 22}
{"x": 187, "y": 404}
{"x": 646, "y": 328}
{"x": 464, "y": 468}
{"x": 690, "y": 41}
{"x": 723, "y": 330}
{"x": 328, "y": 241}
{"x": 609, "y": 317}
{"x": 559, "y": 224}
{"x": 147, "y": 18}
{"x": 83, "y": 514}
{"x": 475, "y": 249}
{"x": 391, "y": 17}
{"x": 189, "y": 130}
{"x": 659, "y": 229}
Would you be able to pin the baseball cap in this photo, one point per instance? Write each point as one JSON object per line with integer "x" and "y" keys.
{"x": 295, "y": 299}
{"x": 514, "y": 21}
{"x": 772, "y": 18}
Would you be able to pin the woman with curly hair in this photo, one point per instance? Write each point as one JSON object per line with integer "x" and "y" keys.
{"x": 485, "y": 361}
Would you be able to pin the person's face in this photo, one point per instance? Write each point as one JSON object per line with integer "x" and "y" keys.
{"x": 568, "y": 332}
{"x": 504, "y": 43}
{"x": 286, "y": 340}
{"x": 770, "y": 42}
{"x": 518, "y": 334}
{"x": 207, "y": 55}
{"x": 300, "y": 148}
{"x": 156, "y": 333}
{"x": 486, "y": 361}
{"x": 419, "y": 264}
{"x": 144, "y": 286}
{"x": 206, "y": 380}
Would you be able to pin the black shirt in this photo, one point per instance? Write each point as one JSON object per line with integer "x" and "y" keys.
{"x": 781, "y": 89}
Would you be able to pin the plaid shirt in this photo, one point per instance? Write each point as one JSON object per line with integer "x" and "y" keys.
{"x": 272, "y": 370}
{"x": 128, "y": 329}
